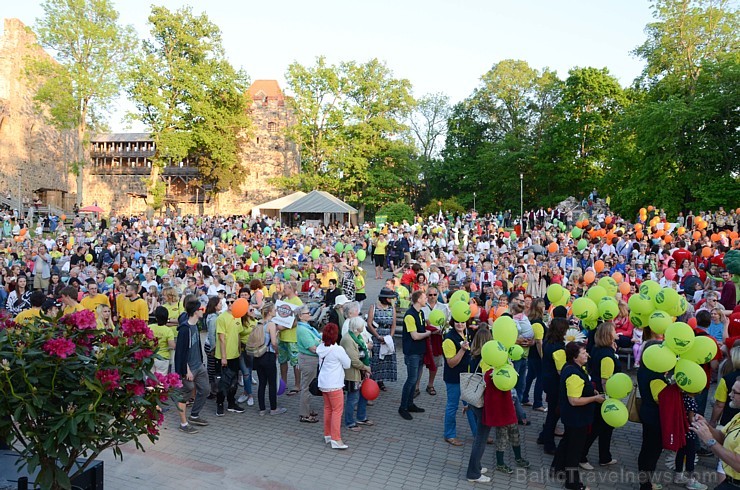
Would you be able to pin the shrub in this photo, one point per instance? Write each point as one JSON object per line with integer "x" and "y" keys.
{"x": 397, "y": 211}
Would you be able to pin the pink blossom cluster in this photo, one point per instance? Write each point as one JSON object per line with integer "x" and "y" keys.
{"x": 132, "y": 327}
{"x": 59, "y": 347}
{"x": 137, "y": 388}
{"x": 139, "y": 355}
{"x": 84, "y": 320}
{"x": 166, "y": 381}
{"x": 109, "y": 378}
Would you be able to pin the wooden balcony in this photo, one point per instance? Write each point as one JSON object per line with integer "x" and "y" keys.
{"x": 166, "y": 171}
{"x": 121, "y": 154}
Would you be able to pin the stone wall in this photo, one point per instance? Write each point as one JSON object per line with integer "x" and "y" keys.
{"x": 29, "y": 146}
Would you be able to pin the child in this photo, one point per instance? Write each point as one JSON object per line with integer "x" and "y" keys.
{"x": 165, "y": 340}
{"x": 637, "y": 345}
{"x": 688, "y": 451}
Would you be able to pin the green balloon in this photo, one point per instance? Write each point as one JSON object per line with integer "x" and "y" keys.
{"x": 659, "y": 321}
{"x": 595, "y": 293}
{"x": 460, "y": 295}
{"x": 590, "y": 324}
{"x": 161, "y": 272}
{"x": 614, "y": 413}
{"x": 668, "y": 300}
{"x": 230, "y": 234}
{"x": 437, "y": 318}
{"x": 315, "y": 253}
{"x": 239, "y": 250}
{"x": 223, "y": 236}
{"x": 460, "y": 311}
{"x": 690, "y": 376}
{"x": 585, "y": 308}
{"x": 640, "y": 304}
{"x": 564, "y": 299}
{"x": 659, "y": 358}
{"x": 618, "y": 386}
{"x": 504, "y": 330}
{"x": 516, "y": 352}
{"x": 339, "y": 247}
{"x": 109, "y": 280}
{"x": 255, "y": 256}
{"x": 582, "y": 244}
{"x": 361, "y": 255}
{"x": 348, "y": 248}
{"x": 610, "y": 285}
{"x": 266, "y": 250}
{"x": 199, "y": 245}
{"x": 576, "y": 233}
{"x": 649, "y": 288}
{"x": 703, "y": 350}
{"x": 679, "y": 337}
{"x": 561, "y": 226}
{"x": 639, "y": 320}
{"x": 505, "y": 377}
{"x": 494, "y": 354}
{"x": 608, "y": 308}
{"x": 555, "y": 292}
{"x": 287, "y": 273}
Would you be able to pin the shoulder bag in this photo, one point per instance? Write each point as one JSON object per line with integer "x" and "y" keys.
{"x": 472, "y": 386}
{"x": 633, "y": 406}
{"x": 313, "y": 386}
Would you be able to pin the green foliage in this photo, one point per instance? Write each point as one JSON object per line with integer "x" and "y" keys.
{"x": 397, "y": 212}
{"x": 351, "y": 133}
{"x": 190, "y": 97}
{"x": 66, "y": 399}
{"x": 449, "y": 207}
{"x": 158, "y": 191}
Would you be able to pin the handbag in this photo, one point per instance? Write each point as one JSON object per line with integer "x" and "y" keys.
{"x": 472, "y": 386}
{"x": 634, "y": 403}
{"x": 313, "y": 386}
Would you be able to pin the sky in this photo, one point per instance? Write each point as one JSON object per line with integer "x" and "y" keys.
{"x": 439, "y": 45}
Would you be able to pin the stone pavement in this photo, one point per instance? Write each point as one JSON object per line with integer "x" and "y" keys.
{"x": 248, "y": 451}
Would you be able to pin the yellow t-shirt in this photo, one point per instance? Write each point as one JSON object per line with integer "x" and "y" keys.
{"x": 607, "y": 367}
{"x": 380, "y": 247}
{"x": 164, "y": 334}
{"x": 732, "y": 443}
{"x": 574, "y": 386}
{"x": 656, "y": 386}
{"x": 448, "y": 348}
{"x": 720, "y": 395}
{"x": 326, "y": 276}
{"x": 134, "y": 309}
{"x": 92, "y": 302}
{"x": 27, "y": 316}
{"x": 291, "y": 334}
{"x": 67, "y": 310}
{"x": 173, "y": 311}
{"x": 559, "y": 357}
{"x": 539, "y": 331}
{"x": 231, "y": 327}
{"x": 410, "y": 323}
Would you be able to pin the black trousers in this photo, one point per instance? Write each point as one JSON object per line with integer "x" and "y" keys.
{"x": 228, "y": 382}
{"x": 568, "y": 454}
{"x": 267, "y": 372}
{"x": 603, "y": 431}
{"x": 652, "y": 446}
{"x": 547, "y": 436}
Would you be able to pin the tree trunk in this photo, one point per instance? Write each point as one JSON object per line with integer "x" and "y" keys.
{"x": 361, "y": 214}
{"x": 80, "y": 162}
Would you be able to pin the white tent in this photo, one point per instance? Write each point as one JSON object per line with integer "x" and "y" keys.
{"x": 272, "y": 208}
{"x": 318, "y": 205}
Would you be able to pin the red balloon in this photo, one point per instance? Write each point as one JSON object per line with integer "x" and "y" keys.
{"x": 240, "y": 308}
{"x": 692, "y": 322}
{"x": 370, "y": 389}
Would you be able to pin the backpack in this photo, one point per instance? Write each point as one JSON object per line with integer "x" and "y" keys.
{"x": 256, "y": 346}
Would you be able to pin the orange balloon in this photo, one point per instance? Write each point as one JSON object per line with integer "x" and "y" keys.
{"x": 24, "y": 231}
{"x": 659, "y": 233}
{"x": 696, "y": 235}
{"x": 650, "y": 208}
{"x": 64, "y": 217}
{"x": 589, "y": 277}
{"x": 239, "y": 308}
{"x": 702, "y": 225}
{"x": 608, "y": 220}
{"x": 624, "y": 288}
{"x": 733, "y": 235}
{"x": 668, "y": 238}
{"x": 715, "y": 237}
{"x": 69, "y": 246}
{"x": 638, "y": 226}
{"x": 681, "y": 230}
{"x": 706, "y": 252}
{"x": 599, "y": 265}
{"x": 617, "y": 276}
{"x": 552, "y": 247}
{"x": 639, "y": 235}
{"x": 585, "y": 222}
{"x": 473, "y": 309}
{"x": 643, "y": 211}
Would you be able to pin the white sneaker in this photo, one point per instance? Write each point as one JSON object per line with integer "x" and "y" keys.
{"x": 250, "y": 401}
{"x": 483, "y": 471}
{"x": 586, "y": 466}
{"x": 693, "y": 484}
{"x": 480, "y": 479}
{"x": 680, "y": 479}
{"x": 243, "y": 398}
{"x": 254, "y": 379}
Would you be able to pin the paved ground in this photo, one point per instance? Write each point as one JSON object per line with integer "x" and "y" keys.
{"x": 248, "y": 451}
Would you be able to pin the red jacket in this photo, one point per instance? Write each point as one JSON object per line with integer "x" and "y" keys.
{"x": 498, "y": 406}
{"x": 674, "y": 424}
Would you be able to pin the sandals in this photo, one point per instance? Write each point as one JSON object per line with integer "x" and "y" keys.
{"x": 454, "y": 442}
{"x": 540, "y": 409}
{"x": 382, "y": 386}
{"x": 431, "y": 390}
{"x": 293, "y": 392}
{"x": 367, "y": 422}
{"x": 354, "y": 428}
{"x": 309, "y": 420}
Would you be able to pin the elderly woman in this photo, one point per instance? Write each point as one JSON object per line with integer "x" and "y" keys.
{"x": 578, "y": 400}
{"x": 333, "y": 360}
{"x": 308, "y": 340}
{"x": 359, "y": 355}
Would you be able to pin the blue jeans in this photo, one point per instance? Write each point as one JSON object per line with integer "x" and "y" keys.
{"x": 453, "y": 402}
{"x": 413, "y": 371}
{"x": 701, "y": 401}
{"x": 521, "y": 369}
{"x": 3, "y": 297}
{"x": 355, "y": 401}
{"x": 245, "y": 366}
{"x": 479, "y": 445}
{"x": 534, "y": 370}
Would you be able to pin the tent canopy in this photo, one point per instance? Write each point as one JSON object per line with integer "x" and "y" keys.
{"x": 319, "y": 202}
{"x": 277, "y": 204}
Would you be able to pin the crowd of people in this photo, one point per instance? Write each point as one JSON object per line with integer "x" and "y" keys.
{"x": 186, "y": 276}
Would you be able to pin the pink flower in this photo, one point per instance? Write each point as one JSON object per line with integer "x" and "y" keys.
{"x": 109, "y": 378}
{"x": 132, "y": 327}
{"x": 137, "y": 388}
{"x": 84, "y": 320}
{"x": 153, "y": 430}
{"x": 174, "y": 380}
{"x": 59, "y": 347}
{"x": 142, "y": 354}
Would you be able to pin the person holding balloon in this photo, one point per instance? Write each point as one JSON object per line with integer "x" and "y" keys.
{"x": 475, "y": 472}
{"x": 456, "y": 348}
{"x": 650, "y": 383}
{"x": 578, "y": 400}
{"x": 553, "y": 361}
{"x": 604, "y": 363}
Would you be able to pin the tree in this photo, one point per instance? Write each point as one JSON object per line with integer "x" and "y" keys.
{"x": 351, "y": 133}
{"x": 91, "y": 50}
{"x": 191, "y": 99}
{"x": 428, "y": 123}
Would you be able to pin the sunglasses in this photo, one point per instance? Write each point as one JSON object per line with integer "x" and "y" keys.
{"x": 231, "y": 302}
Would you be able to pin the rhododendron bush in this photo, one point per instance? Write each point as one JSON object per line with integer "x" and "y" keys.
{"x": 69, "y": 391}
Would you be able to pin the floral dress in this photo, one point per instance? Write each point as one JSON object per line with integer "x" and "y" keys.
{"x": 383, "y": 369}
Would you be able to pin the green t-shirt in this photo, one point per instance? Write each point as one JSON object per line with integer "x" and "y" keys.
{"x": 231, "y": 327}
{"x": 164, "y": 335}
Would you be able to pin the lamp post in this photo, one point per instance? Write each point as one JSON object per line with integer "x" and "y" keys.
{"x": 521, "y": 201}
{"x": 473, "y": 200}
